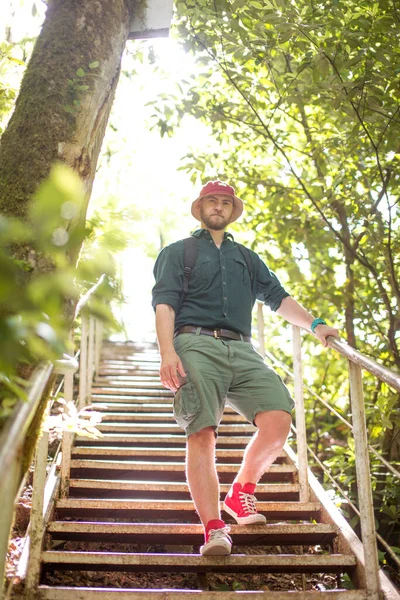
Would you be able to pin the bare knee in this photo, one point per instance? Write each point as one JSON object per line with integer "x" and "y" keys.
{"x": 274, "y": 424}
{"x": 205, "y": 438}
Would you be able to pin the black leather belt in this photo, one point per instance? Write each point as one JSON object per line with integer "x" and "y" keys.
{"x": 216, "y": 333}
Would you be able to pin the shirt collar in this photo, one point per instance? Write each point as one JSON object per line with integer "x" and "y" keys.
{"x": 205, "y": 233}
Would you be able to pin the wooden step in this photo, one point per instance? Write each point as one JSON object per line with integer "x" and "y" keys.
{"x": 102, "y": 379}
{"x": 167, "y": 490}
{"x": 223, "y": 455}
{"x": 235, "y": 563}
{"x": 129, "y": 368}
{"x": 180, "y": 533}
{"x": 130, "y": 407}
{"x": 136, "y": 465}
{"x": 150, "y": 470}
{"x": 144, "y": 383}
{"x": 177, "y": 439}
{"x": 274, "y": 511}
{"x": 163, "y": 452}
{"x": 170, "y": 428}
{"x": 132, "y": 366}
{"x": 118, "y": 391}
{"x": 91, "y": 593}
{"x": 132, "y": 390}
{"x": 131, "y": 401}
{"x": 145, "y": 406}
{"x": 110, "y": 416}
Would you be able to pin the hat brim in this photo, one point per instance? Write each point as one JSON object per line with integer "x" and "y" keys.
{"x": 237, "y": 207}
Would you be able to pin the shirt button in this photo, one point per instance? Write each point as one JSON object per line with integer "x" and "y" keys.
{"x": 225, "y": 298}
{"x": 211, "y": 241}
{"x": 223, "y": 267}
{"x": 224, "y": 282}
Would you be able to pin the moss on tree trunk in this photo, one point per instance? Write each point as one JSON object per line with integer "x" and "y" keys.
{"x": 65, "y": 99}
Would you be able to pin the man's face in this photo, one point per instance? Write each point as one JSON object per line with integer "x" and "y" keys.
{"x": 216, "y": 211}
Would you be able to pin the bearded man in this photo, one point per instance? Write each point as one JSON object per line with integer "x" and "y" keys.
{"x": 204, "y": 333}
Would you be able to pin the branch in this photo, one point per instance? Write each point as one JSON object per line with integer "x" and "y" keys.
{"x": 355, "y": 109}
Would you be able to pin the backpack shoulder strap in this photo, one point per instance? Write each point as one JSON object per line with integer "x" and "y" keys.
{"x": 245, "y": 252}
{"x": 189, "y": 260}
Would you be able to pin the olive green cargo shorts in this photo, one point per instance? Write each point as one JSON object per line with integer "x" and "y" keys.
{"x": 223, "y": 371}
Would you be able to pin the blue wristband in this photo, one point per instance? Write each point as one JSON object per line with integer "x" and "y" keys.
{"x": 317, "y": 322}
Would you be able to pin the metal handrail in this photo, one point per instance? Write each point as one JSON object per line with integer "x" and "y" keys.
{"x": 86, "y": 297}
{"x": 17, "y": 425}
{"x": 383, "y": 373}
{"x": 285, "y": 369}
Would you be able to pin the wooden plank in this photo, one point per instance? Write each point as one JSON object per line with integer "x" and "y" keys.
{"x": 131, "y": 391}
{"x": 90, "y": 593}
{"x": 230, "y": 453}
{"x": 136, "y": 465}
{"x": 187, "y": 534}
{"x": 272, "y": 510}
{"x": 144, "y": 383}
{"x": 168, "y": 486}
{"x": 131, "y": 401}
{"x": 130, "y": 378}
{"x": 130, "y": 407}
{"x": 172, "y": 428}
{"x": 145, "y": 406}
{"x": 245, "y": 563}
{"x": 111, "y": 416}
{"x": 158, "y": 438}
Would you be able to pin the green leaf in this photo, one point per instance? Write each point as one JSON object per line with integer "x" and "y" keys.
{"x": 16, "y": 60}
{"x": 80, "y": 72}
{"x": 94, "y": 64}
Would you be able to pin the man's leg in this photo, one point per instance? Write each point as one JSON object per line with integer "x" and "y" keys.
{"x": 263, "y": 448}
{"x": 202, "y": 478}
{"x": 265, "y": 445}
{"x": 201, "y": 474}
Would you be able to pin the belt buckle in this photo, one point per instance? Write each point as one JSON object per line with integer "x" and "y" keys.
{"x": 216, "y": 334}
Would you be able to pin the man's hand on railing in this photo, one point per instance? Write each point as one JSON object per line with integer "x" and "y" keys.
{"x": 322, "y": 332}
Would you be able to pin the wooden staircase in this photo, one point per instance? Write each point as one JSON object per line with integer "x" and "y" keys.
{"x": 129, "y": 511}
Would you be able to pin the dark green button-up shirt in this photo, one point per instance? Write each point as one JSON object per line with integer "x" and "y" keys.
{"x": 220, "y": 292}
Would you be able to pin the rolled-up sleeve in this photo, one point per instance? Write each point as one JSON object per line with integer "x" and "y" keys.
{"x": 168, "y": 273}
{"x": 269, "y": 289}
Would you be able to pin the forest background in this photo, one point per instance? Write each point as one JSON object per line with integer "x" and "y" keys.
{"x": 297, "y": 103}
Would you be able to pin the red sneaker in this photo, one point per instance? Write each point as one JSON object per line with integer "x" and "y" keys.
{"x": 240, "y": 503}
{"x": 217, "y": 540}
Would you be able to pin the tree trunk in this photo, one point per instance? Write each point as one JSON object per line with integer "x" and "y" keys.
{"x": 65, "y": 100}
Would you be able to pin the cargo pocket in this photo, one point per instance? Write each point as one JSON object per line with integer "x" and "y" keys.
{"x": 186, "y": 404}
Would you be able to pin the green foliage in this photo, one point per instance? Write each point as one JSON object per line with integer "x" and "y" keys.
{"x": 11, "y": 69}
{"x": 35, "y": 293}
{"x": 77, "y": 86}
{"x": 303, "y": 100}
{"x": 72, "y": 420}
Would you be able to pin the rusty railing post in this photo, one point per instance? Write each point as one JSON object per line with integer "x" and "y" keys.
{"x": 365, "y": 501}
{"x": 36, "y": 522}
{"x": 300, "y": 416}
{"x": 83, "y": 362}
{"x": 91, "y": 358}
